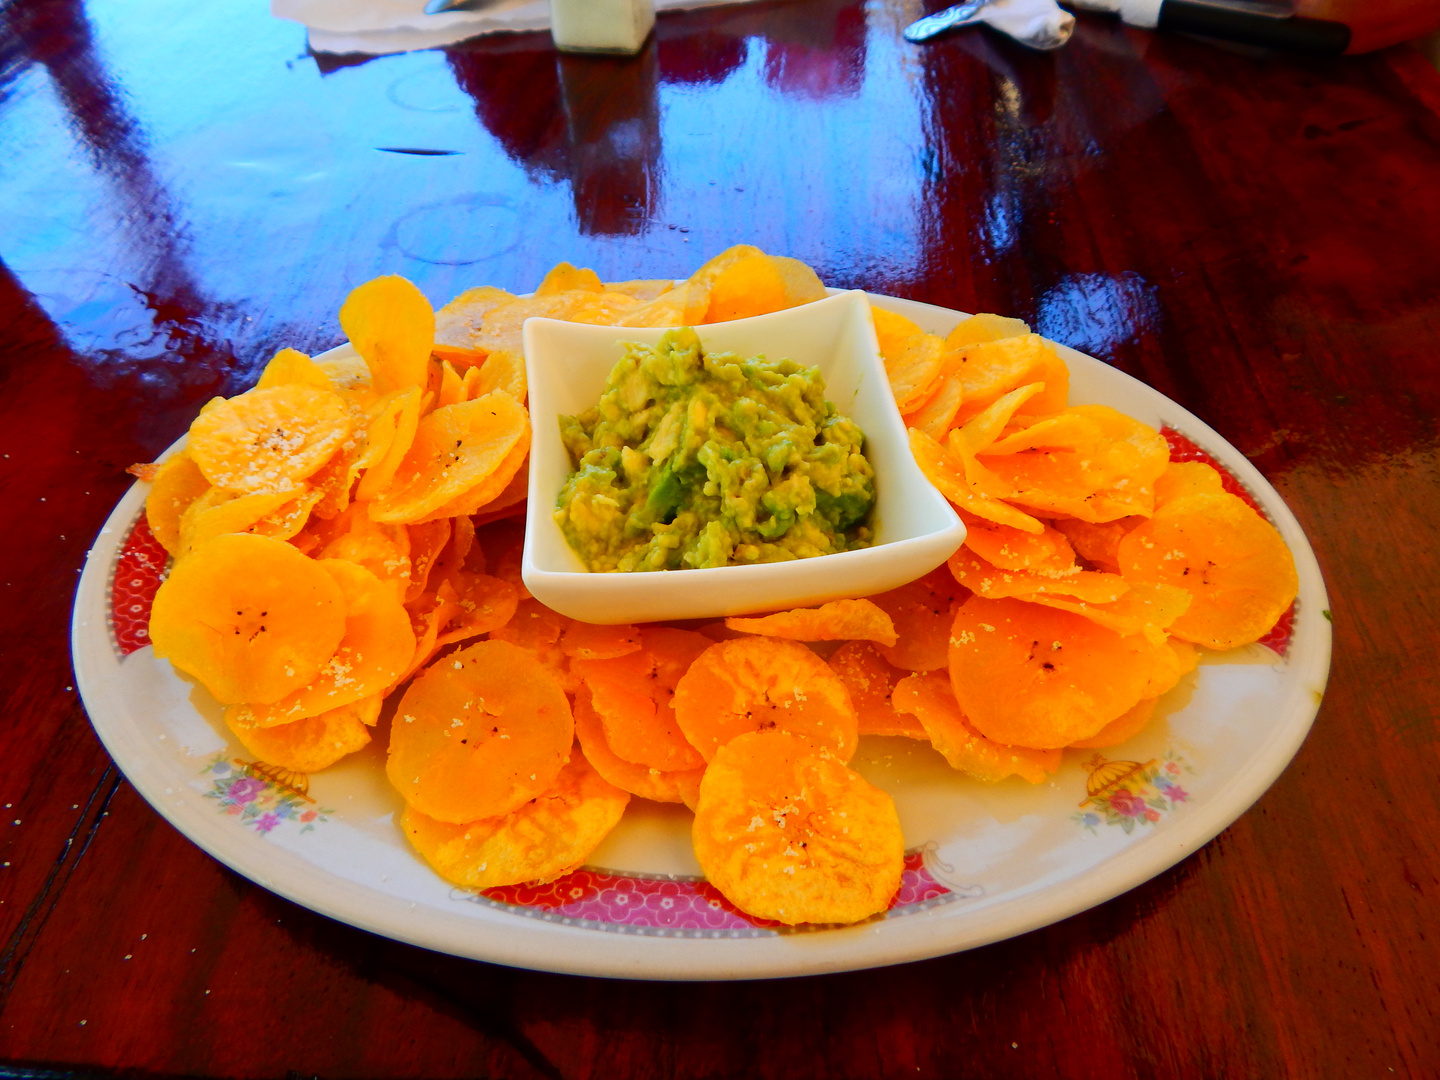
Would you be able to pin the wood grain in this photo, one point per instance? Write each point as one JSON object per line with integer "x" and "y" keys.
{"x": 186, "y": 189}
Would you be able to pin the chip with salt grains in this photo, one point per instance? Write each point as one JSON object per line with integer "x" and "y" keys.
{"x": 839, "y": 620}
{"x": 543, "y": 839}
{"x": 269, "y": 440}
{"x": 310, "y": 744}
{"x": 930, "y": 700}
{"x": 871, "y": 680}
{"x": 787, "y": 832}
{"x": 657, "y": 785}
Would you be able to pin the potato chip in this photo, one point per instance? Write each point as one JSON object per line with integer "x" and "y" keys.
{"x": 1122, "y": 729}
{"x": 390, "y": 324}
{"x": 1029, "y": 675}
{"x": 538, "y": 629}
{"x": 376, "y": 647}
{"x": 564, "y": 277}
{"x": 928, "y": 697}
{"x": 977, "y": 328}
{"x": 634, "y": 695}
{"x": 457, "y": 324}
{"x": 269, "y": 440}
{"x": 1009, "y": 548}
{"x": 642, "y": 780}
{"x": 310, "y": 744}
{"x": 921, "y": 612}
{"x": 479, "y": 734}
{"x": 756, "y": 684}
{"x": 250, "y": 617}
{"x": 588, "y": 641}
{"x": 989, "y": 370}
{"x": 838, "y": 620}
{"x": 545, "y": 838}
{"x": 177, "y": 483}
{"x": 787, "y": 832}
{"x": 952, "y": 473}
{"x": 871, "y": 679}
{"x": 290, "y": 367}
{"x": 455, "y": 449}
{"x": 1231, "y": 560}
{"x": 757, "y": 284}
{"x": 994, "y": 583}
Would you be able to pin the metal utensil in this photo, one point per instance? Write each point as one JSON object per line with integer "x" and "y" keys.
{"x": 926, "y": 28}
{"x": 439, "y": 7}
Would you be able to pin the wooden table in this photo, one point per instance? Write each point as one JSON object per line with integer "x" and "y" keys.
{"x": 185, "y": 189}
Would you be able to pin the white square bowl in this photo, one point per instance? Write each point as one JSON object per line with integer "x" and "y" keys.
{"x": 915, "y": 528}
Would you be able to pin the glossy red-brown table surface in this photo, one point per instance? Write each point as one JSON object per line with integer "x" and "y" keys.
{"x": 184, "y": 188}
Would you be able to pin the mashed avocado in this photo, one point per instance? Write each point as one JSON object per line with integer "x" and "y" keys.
{"x": 695, "y": 459}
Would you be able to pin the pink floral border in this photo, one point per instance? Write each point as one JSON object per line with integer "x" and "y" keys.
{"x": 674, "y": 906}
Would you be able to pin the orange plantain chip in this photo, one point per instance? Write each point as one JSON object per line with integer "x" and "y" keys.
{"x": 479, "y": 734}
{"x": 455, "y": 449}
{"x": 452, "y": 387}
{"x": 989, "y": 370}
{"x": 756, "y": 684}
{"x": 929, "y": 698}
{"x": 839, "y": 620}
{"x": 496, "y": 484}
{"x": 642, "y": 780}
{"x": 757, "y": 284}
{"x": 1122, "y": 729}
{"x": 935, "y": 415}
{"x": 634, "y": 696}
{"x": 1145, "y": 608}
{"x": 1028, "y": 675}
{"x": 544, "y": 839}
{"x": 1098, "y": 543}
{"x": 502, "y": 370}
{"x": 1182, "y": 478}
{"x": 588, "y": 641}
{"x": 269, "y": 440}
{"x": 1230, "y": 559}
{"x": 921, "y": 611}
{"x": 457, "y": 324}
{"x": 278, "y": 515}
{"x": 914, "y": 367}
{"x": 250, "y": 617}
{"x": 390, "y": 324}
{"x": 1009, "y": 548}
{"x": 564, "y": 277}
{"x": 538, "y": 629}
{"x": 384, "y": 550}
{"x": 290, "y": 367}
{"x": 952, "y": 473}
{"x": 871, "y": 679}
{"x": 787, "y": 832}
{"x": 994, "y": 583}
{"x": 982, "y": 429}
{"x": 388, "y": 435}
{"x": 501, "y": 328}
{"x": 176, "y": 484}
{"x": 643, "y": 289}
{"x": 984, "y": 327}
{"x": 482, "y": 604}
{"x": 310, "y": 744}
{"x": 427, "y": 541}
{"x": 376, "y": 648}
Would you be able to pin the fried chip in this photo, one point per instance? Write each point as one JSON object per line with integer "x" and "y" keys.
{"x": 480, "y": 733}
{"x": 384, "y": 550}
{"x": 787, "y": 832}
{"x": 310, "y": 744}
{"x": 634, "y": 694}
{"x": 269, "y": 440}
{"x": 290, "y": 367}
{"x": 563, "y": 277}
{"x": 914, "y": 368}
{"x": 989, "y": 370}
{"x": 1009, "y": 548}
{"x": 983, "y": 327}
{"x": 982, "y": 429}
{"x": 956, "y": 476}
{"x": 1029, "y": 675}
{"x": 935, "y": 415}
{"x": 457, "y": 324}
{"x": 1122, "y": 729}
{"x": 390, "y": 324}
{"x": 538, "y": 629}
{"x": 589, "y": 641}
{"x": 1231, "y": 560}
{"x": 1097, "y": 542}
{"x": 642, "y": 780}
{"x": 921, "y": 612}
{"x": 455, "y": 449}
{"x": 376, "y": 647}
{"x": 755, "y": 684}
{"x": 481, "y": 604}
{"x": 502, "y": 370}
{"x": 1144, "y": 608}
{"x": 994, "y": 583}
{"x": 177, "y": 483}
{"x": 545, "y": 838}
{"x": 250, "y": 617}
{"x": 871, "y": 680}
{"x": 498, "y": 482}
{"x": 389, "y": 433}
{"x": 930, "y": 700}
{"x": 839, "y": 620}
{"x": 1182, "y": 478}
{"x": 757, "y": 284}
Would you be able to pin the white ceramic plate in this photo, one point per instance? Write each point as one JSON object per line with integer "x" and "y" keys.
{"x": 986, "y": 862}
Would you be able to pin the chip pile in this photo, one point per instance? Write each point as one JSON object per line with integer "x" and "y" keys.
{"x": 346, "y": 552}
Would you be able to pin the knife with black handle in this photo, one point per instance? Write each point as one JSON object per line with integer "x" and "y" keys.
{"x": 1291, "y": 33}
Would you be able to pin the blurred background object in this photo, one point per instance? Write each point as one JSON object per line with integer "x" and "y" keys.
{"x": 1374, "y": 24}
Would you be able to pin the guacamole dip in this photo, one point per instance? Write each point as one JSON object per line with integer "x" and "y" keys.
{"x": 695, "y": 459}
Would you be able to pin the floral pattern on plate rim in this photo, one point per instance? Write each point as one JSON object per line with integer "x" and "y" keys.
{"x": 246, "y": 790}
{"x": 1132, "y": 793}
